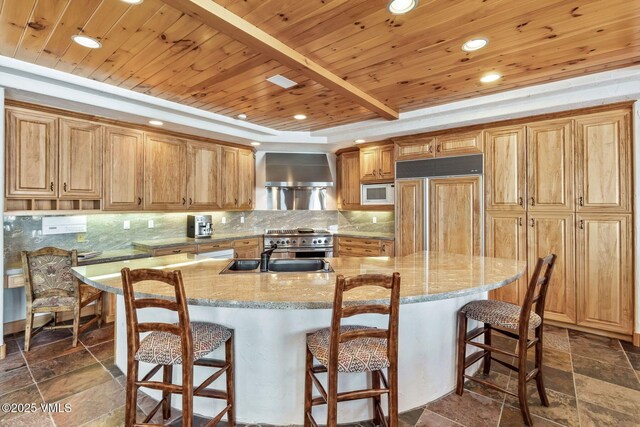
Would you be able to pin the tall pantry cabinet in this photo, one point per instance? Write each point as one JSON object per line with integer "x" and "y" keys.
{"x": 564, "y": 186}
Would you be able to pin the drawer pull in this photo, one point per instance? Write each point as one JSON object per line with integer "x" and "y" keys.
{"x": 177, "y": 251}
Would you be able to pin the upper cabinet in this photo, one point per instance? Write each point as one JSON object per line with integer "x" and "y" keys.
{"x": 603, "y": 162}
{"x": 412, "y": 148}
{"x": 550, "y": 173}
{"x": 204, "y": 172}
{"x": 459, "y": 144}
{"x": 348, "y": 167}
{"x": 377, "y": 163}
{"x": 505, "y": 168}
{"x": 165, "y": 173}
{"x": 123, "y": 176}
{"x": 238, "y": 178}
{"x": 80, "y": 159}
{"x": 32, "y": 154}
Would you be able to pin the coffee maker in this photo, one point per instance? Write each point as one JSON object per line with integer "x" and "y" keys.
{"x": 199, "y": 226}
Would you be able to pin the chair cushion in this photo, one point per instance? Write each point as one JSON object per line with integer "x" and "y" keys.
{"x": 164, "y": 348}
{"x": 50, "y": 272}
{"x": 357, "y": 355}
{"x": 53, "y": 302}
{"x": 498, "y": 313}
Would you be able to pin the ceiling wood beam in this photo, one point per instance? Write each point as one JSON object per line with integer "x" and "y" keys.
{"x": 212, "y": 14}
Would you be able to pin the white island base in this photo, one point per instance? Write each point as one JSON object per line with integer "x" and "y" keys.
{"x": 270, "y": 358}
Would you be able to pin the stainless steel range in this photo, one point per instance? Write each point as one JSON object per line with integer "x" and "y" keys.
{"x": 300, "y": 243}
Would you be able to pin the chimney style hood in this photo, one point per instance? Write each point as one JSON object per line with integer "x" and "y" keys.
{"x": 297, "y": 170}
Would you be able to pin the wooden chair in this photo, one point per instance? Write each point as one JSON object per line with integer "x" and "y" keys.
{"x": 500, "y": 316}
{"x": 168, "y": 344}
{"x": 52, "y": 288}
{"x": 355, "y": 349}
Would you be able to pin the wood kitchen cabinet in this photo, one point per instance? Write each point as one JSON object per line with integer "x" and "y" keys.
{"x": 458, "y": 144}
{"x": 363, "y": 247}
{"x": 377, "y": 163}
{"x": 547, "y": 233}
{"x": 238, "y": 178}
{"x": 604, "y": 272}
{"x": 32, "y": 154}
{"x": 348, "y": 166}
{"x": 204, "y": 176}
{"x": 550, "y": 171}
{"x": 454, "y": 215}
{"x": 409, "y": 216}
{"x": 80, "y": 146}
{"x": 247, "y": 248}
{"x": 505, "y": 177}
{"x": 505, "y": 236}
{"x": 165, "y": 173}
{"x": 123, "y": 177}
{"x": 603, "y": 162}
{"x": 412, "y": 148}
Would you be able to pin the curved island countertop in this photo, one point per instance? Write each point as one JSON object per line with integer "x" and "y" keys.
{"x": 271, "y": 313}
{"x": 425, "y": 276}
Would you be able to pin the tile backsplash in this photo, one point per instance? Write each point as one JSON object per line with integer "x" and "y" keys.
{"x": 105, "y": 231}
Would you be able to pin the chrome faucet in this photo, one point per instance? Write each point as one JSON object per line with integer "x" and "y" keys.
{"x": 265, "y": 256}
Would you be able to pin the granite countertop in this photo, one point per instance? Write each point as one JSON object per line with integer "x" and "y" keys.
{"x": 150, "y": 245}
{"x": 365, "y": 235}
{"x": 425, "y": 276}
{"x": 106, "y": 256}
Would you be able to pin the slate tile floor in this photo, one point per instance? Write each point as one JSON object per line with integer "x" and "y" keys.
{"x": 591, "y": 381}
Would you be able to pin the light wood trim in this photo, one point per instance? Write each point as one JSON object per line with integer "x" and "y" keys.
{"x": 216, "y": 16}
{"x": 192, "y": 249}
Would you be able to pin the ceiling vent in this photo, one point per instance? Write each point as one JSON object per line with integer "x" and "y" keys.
{"x": 282, "y": 81}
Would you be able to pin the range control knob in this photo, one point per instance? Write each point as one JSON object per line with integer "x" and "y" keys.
{"x": 314, "y": 242}
{"x": 325, "y": 240}
{"x": 288, "y": 242}
{"x": 293, "y": 242}
{"x": 304, "y": 241}
{"x": 278, "y": 242}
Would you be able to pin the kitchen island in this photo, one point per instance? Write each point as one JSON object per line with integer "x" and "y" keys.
{"x": 272, "y": 312}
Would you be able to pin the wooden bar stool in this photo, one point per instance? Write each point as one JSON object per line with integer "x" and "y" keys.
{"x": 497, "y": 315}
{"x": 355, "y": 349}
{"x": 168, "y": 344}
{"x": 52, "y": 288}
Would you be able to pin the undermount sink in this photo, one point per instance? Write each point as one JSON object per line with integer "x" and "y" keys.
{"x": 307, "y": 265}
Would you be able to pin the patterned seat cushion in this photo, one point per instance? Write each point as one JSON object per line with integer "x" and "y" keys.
{"x": 498, "y": 313}
{"x": 53, "y": 302}
{"x": 357, "y": 355}
{"x": 164, "y": 348}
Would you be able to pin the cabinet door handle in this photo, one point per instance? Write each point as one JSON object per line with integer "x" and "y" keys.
{"x": 64, "y": 187}
{"x": 533, "y": 201}
{"x": 51, "y": 186}
{"x": 533, "y": 222}
{"x": 190, "y": 201}
{"x": 380, "y": 171}
{"x": 581, "y": 224}
{"x": 438, "y": 148}
{"x": 374, "y": 172}
{"x": 581, "y": 201}
{"x": 184, "y": 201}
{"x": 249, "y": 202}
{"x": 520, "y": 221}
{"x": 139, "y": 201}
{"x": 521, "y": 201}
{"x": 430, "y": 149}
{"x": 236, "y": 201}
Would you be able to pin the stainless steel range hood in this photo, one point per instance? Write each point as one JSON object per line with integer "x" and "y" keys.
{"x": 296, "y": 181}
{"x": 297, "y": 170}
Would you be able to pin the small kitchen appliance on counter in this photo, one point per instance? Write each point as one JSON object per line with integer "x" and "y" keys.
{"x": 199, "y": 226}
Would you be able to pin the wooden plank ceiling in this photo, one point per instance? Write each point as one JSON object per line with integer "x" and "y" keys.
{"x": 406, "y": 62}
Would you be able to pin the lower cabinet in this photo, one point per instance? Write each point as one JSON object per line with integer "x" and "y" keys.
{"x": 361, "y": 247}
{"x": 409, "y": 216}
{"x": 604, "y": 272}
{"x": 247, "y": 248}
{"x": 506, "y": 237}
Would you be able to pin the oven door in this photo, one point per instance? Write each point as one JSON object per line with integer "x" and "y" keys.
{"x": 304, "y": 253}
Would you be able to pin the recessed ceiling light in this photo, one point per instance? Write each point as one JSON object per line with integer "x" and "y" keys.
{"x": 255, "y": 144}
{"x": 242, "y": 116}
{"x": 85, "y": 41}
{"x": 400, "y": 7}
{"x": 155, "y": 122}
{"x": 360, "y": 141}
{"x": 474, "y": 44}
{"x": 299, "y": 117}
{"x": 133, "y": 1}
{"x": 490, "y": 77}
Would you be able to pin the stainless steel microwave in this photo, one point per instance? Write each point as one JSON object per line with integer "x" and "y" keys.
{"x": 377, "y": 194}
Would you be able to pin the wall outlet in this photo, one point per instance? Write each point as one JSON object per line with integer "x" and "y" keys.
{"x": 374, "y": 220}
{"x": 126, "y": 225}
{"x": 81, "y": 237}
{"x": 242, "y": 219}
{"x": 150, "y": 224}
{"x": 223, "y": 220}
